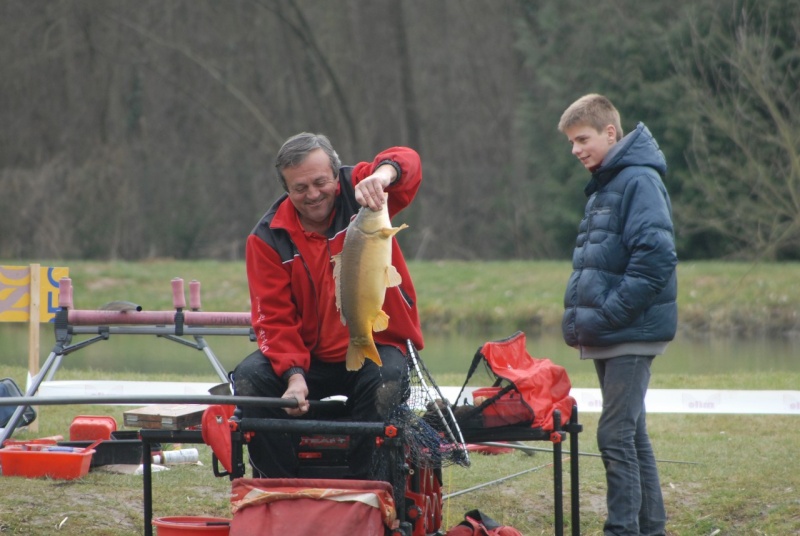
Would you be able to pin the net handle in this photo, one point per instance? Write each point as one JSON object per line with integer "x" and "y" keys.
{"x": 472, "y": 368}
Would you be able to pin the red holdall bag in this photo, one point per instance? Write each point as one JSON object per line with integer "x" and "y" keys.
{"x": 476, "y": 523}
{"x": 311, "y": 507}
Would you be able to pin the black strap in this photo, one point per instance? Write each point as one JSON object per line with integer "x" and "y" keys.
{"x": 472, "y": 368}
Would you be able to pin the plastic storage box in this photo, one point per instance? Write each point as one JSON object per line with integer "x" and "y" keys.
{"x": 91, "y": 427}
{"x": 35, "y": 461}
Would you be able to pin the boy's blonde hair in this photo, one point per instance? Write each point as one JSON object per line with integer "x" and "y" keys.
{"x": 593, "y": 110}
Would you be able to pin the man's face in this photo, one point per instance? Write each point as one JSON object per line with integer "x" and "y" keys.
{"x": 312, "y": 189}
{"x": 589, "y": 145}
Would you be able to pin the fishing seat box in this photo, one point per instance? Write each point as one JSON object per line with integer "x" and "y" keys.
{"x": 165, "y": 416}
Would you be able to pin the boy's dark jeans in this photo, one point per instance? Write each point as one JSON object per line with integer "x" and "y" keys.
{"x": 634, "y": 500}
{"x": 372, "y": 392}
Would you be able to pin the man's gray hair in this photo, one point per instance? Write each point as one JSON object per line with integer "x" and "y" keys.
{"x": 296, "y": 149}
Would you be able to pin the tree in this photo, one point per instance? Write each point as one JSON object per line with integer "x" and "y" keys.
{"x": 743, "y": 79}
{"x": 146, "y": 129}
{"x": 570, "y": 51}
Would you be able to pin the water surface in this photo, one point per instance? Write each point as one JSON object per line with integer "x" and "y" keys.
{"x": 453, "y": 354}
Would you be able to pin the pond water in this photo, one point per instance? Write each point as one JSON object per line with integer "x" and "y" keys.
{"x": 453, "y": 354}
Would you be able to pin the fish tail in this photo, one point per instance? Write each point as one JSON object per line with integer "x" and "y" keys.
{"x": 358, "y": 354}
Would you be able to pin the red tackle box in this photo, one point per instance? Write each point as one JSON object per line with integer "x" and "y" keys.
{"x": 91, "y": 427}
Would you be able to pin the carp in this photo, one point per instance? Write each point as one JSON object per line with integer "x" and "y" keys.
{"x": 362, "y": 272}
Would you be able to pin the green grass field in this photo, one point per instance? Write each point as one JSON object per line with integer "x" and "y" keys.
{"x": 714, "y": 297}
{"x": 743, "y": 479}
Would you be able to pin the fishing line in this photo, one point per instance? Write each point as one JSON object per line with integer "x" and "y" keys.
{"x": 503, "y": 479}
{"x": 526, "y": 448}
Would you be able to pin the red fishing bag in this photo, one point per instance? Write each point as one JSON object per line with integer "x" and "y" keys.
{"x": 526, "y": 390}
{"x": 476, "y": 523}
{"x": 294, "y": 506}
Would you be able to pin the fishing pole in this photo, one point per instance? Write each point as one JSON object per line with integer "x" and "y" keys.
{"x": 267, "y": 402}
{"x": 526, "y": 448}
{"x": 479, "y": 486}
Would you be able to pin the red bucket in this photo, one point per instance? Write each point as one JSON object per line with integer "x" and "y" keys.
{"x": 192, "y": 526}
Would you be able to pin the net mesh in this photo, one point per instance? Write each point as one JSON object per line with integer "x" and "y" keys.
{"x": 430, "y": 431}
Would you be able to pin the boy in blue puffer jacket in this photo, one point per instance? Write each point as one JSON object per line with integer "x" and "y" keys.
{"x": 620, "y": 308}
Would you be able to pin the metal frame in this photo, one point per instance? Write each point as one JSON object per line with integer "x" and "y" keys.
{"x": 176, "y": 332}
{"x": 187, "y": 436}
{"x": 175, "y": 326}
{"x": 389, "y": 435}
{"x": 557, "y": 436}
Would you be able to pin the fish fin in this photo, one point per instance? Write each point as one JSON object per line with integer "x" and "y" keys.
{"x": 371, "y": 353}
{"x": 393, "y": 278}
{"x": 388, "y": 232}
{"x": 356, "y": 356}
{"x": 381, "y": 322}
{"x": 355, "y": 359}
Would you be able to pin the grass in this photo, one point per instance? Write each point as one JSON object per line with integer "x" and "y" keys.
{"x": 745, "y": 481}
{"x": 454, "y": 296}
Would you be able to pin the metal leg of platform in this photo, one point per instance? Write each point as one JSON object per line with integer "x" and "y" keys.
{"x": 13, "y": 422}
{"x": 574, "y": 429}
{"x": 558, "y": 489}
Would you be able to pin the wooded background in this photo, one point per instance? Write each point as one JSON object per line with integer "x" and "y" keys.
{"x": 144, "y": 129}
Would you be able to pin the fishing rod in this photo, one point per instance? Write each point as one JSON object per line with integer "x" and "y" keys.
{"x": 479, "y": 486}
{"x": 526, "y": 448}
{"x": 267, "y": 402}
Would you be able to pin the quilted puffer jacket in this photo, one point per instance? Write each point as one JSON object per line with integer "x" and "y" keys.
{"x": 623, "y": 287}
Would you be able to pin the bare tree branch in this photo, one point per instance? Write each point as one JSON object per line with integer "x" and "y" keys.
{"x": 237, "y": 94}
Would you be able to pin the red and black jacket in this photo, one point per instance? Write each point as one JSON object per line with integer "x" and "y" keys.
{"x": 285, "y": 286}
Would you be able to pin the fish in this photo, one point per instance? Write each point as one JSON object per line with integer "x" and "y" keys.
{"x": 362, "y": 272}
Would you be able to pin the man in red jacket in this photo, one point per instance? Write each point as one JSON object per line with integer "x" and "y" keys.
{"x": 301, "y": 340}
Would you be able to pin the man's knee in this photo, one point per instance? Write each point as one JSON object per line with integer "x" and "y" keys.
{"x": 395, "y": 367}
{"x": 254, "y": 376}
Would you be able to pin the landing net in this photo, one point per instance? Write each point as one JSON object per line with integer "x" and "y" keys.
{"x": 429, "y": 428}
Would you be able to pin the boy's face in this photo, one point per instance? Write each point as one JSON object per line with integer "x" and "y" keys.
{"x": 589, "y": 145}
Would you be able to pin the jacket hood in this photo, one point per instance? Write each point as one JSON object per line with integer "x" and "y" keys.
{"x": 638, "y": 148}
